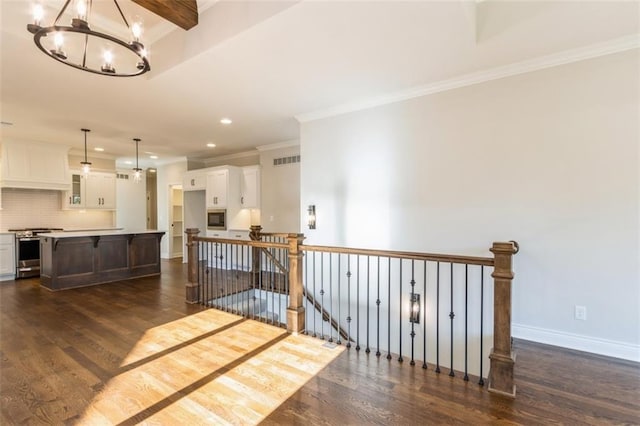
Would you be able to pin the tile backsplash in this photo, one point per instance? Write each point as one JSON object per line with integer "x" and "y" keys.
{"x": 32, "y": 208}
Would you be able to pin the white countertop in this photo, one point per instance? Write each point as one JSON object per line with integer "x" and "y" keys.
{"x": 98, "y": 233}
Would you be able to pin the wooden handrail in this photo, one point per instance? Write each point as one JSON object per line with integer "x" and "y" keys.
{"x": 249, "y": 243}
{"x": 448, "y": 258}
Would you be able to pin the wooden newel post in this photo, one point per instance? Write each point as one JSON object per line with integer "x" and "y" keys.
{"x": 192, "y": 286}
{"x": 502, "y": 358}
{"x": 295, "y": 310}
{"x": 254, "y": 235}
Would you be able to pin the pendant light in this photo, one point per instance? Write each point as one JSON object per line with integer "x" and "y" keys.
{"x": 86, "y": 165}
{"x": 137, "y": 176}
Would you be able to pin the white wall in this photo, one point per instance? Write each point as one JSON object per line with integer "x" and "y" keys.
{"x": 548, "y": 158}
{"x": 131, "y": 204}
{"x": 280, "y": 191}
{"x": 168, "y": 174}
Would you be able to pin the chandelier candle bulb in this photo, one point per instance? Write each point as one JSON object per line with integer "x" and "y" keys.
{"x": 108, "y": 60}
{"x": 136, "y": 30}
{"x": 81, "y": 9}
{"x": 38, "y": 14}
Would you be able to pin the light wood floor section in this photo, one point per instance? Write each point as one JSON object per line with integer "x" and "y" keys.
{"x": 209, "y": 368}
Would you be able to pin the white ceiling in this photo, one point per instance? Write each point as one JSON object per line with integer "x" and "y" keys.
{"x": 265, "y": 63}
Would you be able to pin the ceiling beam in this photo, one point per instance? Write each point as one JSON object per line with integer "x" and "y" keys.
{"x": 183, "y": 13}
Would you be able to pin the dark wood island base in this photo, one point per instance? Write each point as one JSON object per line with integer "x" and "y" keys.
{"x": 68, "y": 260}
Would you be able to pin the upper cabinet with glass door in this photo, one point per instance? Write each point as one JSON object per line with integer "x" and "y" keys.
{"x": 74, "y": 198}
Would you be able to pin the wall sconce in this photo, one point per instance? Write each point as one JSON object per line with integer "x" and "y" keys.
{"x": 414, "y": 313}
{"x": 311, "y": 216}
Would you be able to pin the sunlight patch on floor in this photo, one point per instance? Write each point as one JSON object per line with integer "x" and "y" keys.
{"x": 237, "y": 375}
{"x": 169, "y": 335}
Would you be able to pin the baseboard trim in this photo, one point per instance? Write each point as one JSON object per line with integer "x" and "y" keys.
{"x": 578, "y": 342}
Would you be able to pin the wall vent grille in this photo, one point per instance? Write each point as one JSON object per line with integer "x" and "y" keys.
{"x": 122, "y": 176}
{"x": 283, "y": 161}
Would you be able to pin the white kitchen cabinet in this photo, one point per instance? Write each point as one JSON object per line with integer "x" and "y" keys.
{"x": 7, "y": 256}
{"x": 34, "y": 165}
{"x": 217, "y": 234}
{"x": 239, "y": 234}
{"x": 217, "y": 188}
{"x": 223, "y": 188}
{"x": 97, "y": 190}
{"x": 194, "y": 180}
{"x": 100, "y": 191}
{"x": 250, "y": 192}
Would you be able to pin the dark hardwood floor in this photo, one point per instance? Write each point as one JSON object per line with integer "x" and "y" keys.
{"x": 59, "y": 350}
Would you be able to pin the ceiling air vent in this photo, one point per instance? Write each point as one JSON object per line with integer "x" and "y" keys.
{"x": 283, "y": 161}
{"x": 122, "y": 176}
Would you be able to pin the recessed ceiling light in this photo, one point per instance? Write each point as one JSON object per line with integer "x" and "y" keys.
{"x": 128, "y": 162}
{"x": 99, "y": 149}
{"x": 153, "y": 157}
{"x": 152, "y": 170}
{"x": 211, "y": 145}
{"x": 226, "y": 121}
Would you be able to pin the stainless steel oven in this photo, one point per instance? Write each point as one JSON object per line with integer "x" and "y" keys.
{"x": 217, "y": 219}
{"x": 28, "y": 251}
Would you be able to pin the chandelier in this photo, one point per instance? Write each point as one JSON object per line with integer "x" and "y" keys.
{"x": 80, "y": 47}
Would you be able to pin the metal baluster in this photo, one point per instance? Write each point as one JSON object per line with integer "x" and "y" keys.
{"x": 389, "y": 312}
{"x": 481, "y": 381}
{"x": 260, "y": 286}
{"x": 277, "y": 286}
{"x": 451, "y": 316}
{"x": 286, "y": 276}
{"x": 367, "y": 350}
{"x": 321, "y": 295}
{"x": 424, "y": 323}
{"x": 400, "y": 359}
{"x": 330, "y": 297}
{"x": 466, "y": 320}
{"x": 348, "y": 301}
{"x": 202, "y": 277}
{"x": 378, "y": 311}
{"x": 250, "y": 313}
{"x": 357, "y": 302}
{"x": 413, "y": 333}
{"x": 235, "y": 278}
{"x": 306, "y": 290}
{"x": 438, "y": 317}
{"x": 339, "y": 301}
{"x": 314, "y": 293}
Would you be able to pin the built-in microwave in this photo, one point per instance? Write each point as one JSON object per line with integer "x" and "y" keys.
{"x": 217, "y": 219}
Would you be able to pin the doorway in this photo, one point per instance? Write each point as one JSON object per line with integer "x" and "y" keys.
{"x": 152, "y": 199}
{"x": 176, "y": 215}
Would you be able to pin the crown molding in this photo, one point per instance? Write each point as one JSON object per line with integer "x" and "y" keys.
{"x": 279, "y": 145}
{"x": 565, "y": 57}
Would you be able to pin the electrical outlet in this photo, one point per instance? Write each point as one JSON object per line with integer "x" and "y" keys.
{"x": 581, "y": 313}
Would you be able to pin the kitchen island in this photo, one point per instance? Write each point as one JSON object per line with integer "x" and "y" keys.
{"x": 79, "y": 259}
